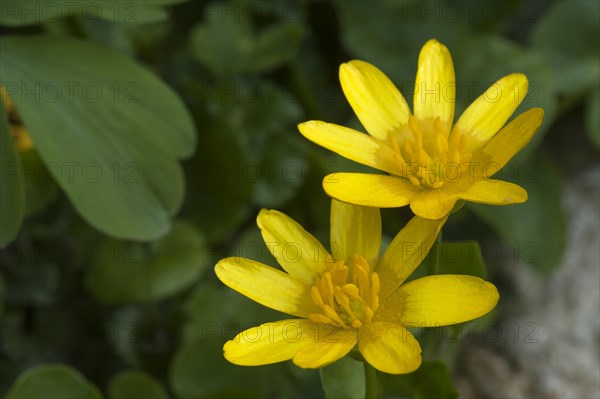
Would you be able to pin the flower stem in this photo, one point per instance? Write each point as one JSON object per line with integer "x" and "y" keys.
{"x": 370, "y": 381}
{"x": 433, "y": 265}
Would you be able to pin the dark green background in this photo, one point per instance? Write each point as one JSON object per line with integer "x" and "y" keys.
{"x": 195, "y": 131}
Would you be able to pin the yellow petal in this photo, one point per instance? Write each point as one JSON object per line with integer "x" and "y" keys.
{"x": 439, "y": 301}
{"x": 389, "y": 347}
{"x": 377, "y": 103}
{"x": 488, "y": 113}
{"x": 270, "y": 342}
{"x": 266, "y": 285}
{"x": 351, "y": 144}
{"x": 355, "y": 230}
{"x": 379, "y": 191}
{"x": 494, "y": 192}
{"x": 405, "y": 252}
{"x": 435, "y": 85}
{"x": 296, "y": 250}
{"x": 434, "y": 203}
{"x": 333, "y": 343}
{"x": 510, "y": 140}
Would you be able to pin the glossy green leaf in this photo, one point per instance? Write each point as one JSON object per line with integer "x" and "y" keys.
{"x": 592, "y": 117}
{"x": 431, "y": 380}
{"x": 343, "y": 379}
{"x": 111, "y": 132}
{"x": 133, "y": 272}
{"x": 536, "y": 230}
{"x": 11, "y": 184}
{"x": 131, "y": 384}
{"x": 30, "y": 12}
{"x": 53, "y": 381}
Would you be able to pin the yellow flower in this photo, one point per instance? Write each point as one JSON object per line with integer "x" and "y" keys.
{"x": 432, "y": 164}
{"x": 351, "y": 296}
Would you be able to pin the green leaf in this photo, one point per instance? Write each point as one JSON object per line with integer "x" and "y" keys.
{"x": 569, "y": 38}
{"x": 536, "y": 229}
{"x": 461, "y": 258}
{"x": 592, "y": 117}
{"x": 343, "y": 379}
{"x": 132, "y": 272}
{"x": 11, "y": 185}
{"x": 111, "y": 131}
{"x": 30, "y": 12}
{"x": 431, "y": 380}
{"x": 53, "y": 381}
{"x": 228, "y": 44}
{"x": 130, "y": 384}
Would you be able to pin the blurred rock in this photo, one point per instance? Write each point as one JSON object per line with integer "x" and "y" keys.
{"x": 549, "y": 345}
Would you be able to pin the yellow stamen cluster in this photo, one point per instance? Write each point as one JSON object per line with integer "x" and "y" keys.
{"x": 348, "y": 296}
{"x": 425, "y": 149}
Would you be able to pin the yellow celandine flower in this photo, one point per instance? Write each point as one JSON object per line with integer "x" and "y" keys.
{"x": 20, "y": 135}
{"x": 431, "y": 163}
{"x": 351, "y": 296}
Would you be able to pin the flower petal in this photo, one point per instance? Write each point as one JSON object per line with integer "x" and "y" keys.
{"x": 494, "y": 192}
{"x": 510, "y": 140}
{"x": 439, "y": 301}
{"x": 435, "y": 85}
{"x": 297, "y": 251}
{"x": 405, "y": 253}
{"x": 332, "y": 344}
{"x": 389, "y": 347}
{"x": 434, "y": 203}
{"x": 490, "y": 111}
{"x": 377, "y": 103}
{"x": 267, "y": 286}
{"x": 351, "y": 144}
{"x": 365, "y": 189}
{"x": 271, "y": 342}
{"x": 355, "y": 230}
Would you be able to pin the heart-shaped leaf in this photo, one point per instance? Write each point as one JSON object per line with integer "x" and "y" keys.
{"x": 109, "y": 132}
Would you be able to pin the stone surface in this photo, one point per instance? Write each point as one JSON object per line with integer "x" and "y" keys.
{"x": 550, "y": 343}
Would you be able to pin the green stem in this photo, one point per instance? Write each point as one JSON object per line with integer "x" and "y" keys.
{"x": 370, "y": 381}
{"x": 433, "y": 266}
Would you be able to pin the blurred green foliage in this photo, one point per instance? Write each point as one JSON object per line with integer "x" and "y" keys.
{"x": 95, "y": 271}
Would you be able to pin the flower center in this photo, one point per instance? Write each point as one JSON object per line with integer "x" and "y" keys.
{"x": 347, "y": 296}
{"x": 428, "y": 152}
